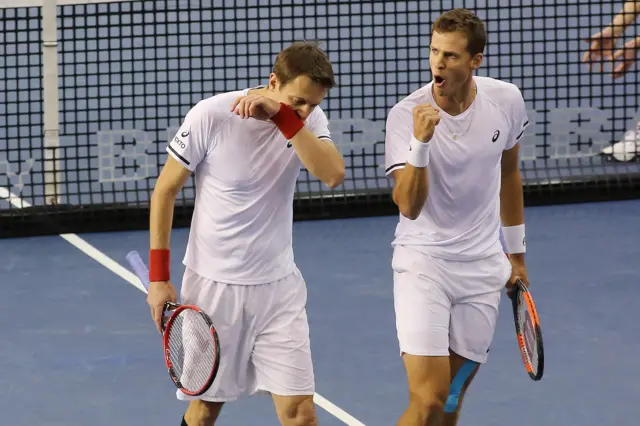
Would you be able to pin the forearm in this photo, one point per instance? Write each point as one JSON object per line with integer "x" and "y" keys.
{"x": 319, "y": 157}
{"x": 161, "y": 218}
{"x": 511, "y": 200}
{"x": 411, "y": 190}
{"x": 160, "y": 221}
{"x": 512, "y": 215}
{"x": 626, "y": 16}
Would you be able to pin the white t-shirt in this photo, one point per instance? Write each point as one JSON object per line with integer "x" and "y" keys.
{"x": 246, "y": 173}
{"x": 460, "y": 219}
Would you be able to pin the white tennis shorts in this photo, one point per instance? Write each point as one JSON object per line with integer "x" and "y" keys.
{"x": 263, "y": 332}
{"x": 444, "y": 304}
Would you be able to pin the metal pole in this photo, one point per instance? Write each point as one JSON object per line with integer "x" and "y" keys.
{"x": 51, "y": 151}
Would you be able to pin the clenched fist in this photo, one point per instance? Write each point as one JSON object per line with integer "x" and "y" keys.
{"x": 425, "y": 120}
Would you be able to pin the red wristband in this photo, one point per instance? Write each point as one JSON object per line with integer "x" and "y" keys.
{"x": 159, "y": 265}
{"x": 287, "y": 121}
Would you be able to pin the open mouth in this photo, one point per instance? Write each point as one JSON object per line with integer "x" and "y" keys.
{"x": 438, "y": 80}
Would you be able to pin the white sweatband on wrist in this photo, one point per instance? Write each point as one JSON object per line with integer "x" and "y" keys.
{"x": 514, "y": 239}
{"x": 418, "y": 153}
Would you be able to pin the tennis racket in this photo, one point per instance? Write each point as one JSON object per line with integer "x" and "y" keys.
{"x": 528, "y": 330}
{"x": 191, "y": 346}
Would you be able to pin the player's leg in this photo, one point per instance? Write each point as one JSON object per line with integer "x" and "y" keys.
{"x": 295, "y": 410}
{"x": 428, "y": 380}
{"x": 223, "y": 303}
{"x": 202, "y": 413}
{"x": 422, "y": 308}
{"x": 462, "y": 373}
{"x": 473, "y": 320}
{"x": 282, "y": 351}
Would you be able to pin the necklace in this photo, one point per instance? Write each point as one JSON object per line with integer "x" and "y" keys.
{"x": 465, "y": 123}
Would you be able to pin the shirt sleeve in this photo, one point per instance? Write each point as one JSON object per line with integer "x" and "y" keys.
{"x": 319, "y": 125}
{"x": 519, "y": 119}
{"x": 194, "y": 139}
{"x": 399, "y": 128}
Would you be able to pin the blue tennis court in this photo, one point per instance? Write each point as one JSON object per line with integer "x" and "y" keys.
{"x": 79, "y": 347}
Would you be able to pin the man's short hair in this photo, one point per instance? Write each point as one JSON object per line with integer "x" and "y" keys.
{"x": 466, "y": 22}
{"x": 304, "y": 58}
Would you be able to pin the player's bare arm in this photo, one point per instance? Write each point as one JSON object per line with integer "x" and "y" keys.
{"x": 319, "y": 156}
{"x": 412, "y": 183}
{"x": 172, "y": 178}
{"x": 512, "y": 211}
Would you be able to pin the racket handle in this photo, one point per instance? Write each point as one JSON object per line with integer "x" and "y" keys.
{"x": 138, "y": 266}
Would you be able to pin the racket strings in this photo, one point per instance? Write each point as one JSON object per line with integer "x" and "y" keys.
{"x": 191, "y": 349}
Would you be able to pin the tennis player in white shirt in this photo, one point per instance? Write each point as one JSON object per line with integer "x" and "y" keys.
{"x": 246, "y": 149}
{"x": 452, "y": 152}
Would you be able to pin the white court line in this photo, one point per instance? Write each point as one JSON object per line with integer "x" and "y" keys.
{"x": 131, "y": 278}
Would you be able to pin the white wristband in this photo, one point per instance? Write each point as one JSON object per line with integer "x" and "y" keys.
{"x": 418, "y": 153}
{"x": 514, "y": 239}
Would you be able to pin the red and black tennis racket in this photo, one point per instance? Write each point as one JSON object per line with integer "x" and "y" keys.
{"x": 191, "y": 345}
{"x": 528, "y": 330}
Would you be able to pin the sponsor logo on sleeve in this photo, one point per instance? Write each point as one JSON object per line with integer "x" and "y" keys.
{"x": 181, "y": 139}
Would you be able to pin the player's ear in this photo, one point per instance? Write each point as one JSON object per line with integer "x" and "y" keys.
{"x": 476, "y": 61}
{"x": 273, "y": 82}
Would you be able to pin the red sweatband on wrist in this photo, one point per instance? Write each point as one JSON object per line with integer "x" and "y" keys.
{"x": 159, "y": 265}
{"x": 287, "y": 121}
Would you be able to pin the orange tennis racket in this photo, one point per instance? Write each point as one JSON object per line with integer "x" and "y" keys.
{"x": 528, "y": 330}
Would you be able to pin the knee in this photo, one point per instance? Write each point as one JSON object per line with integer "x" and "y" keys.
{"x": 301, "y": 413}
{"x": 428, "y": 400}
{"x": 202, "y": 413}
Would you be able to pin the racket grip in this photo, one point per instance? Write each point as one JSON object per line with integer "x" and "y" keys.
{"x": 138, "y": 266}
